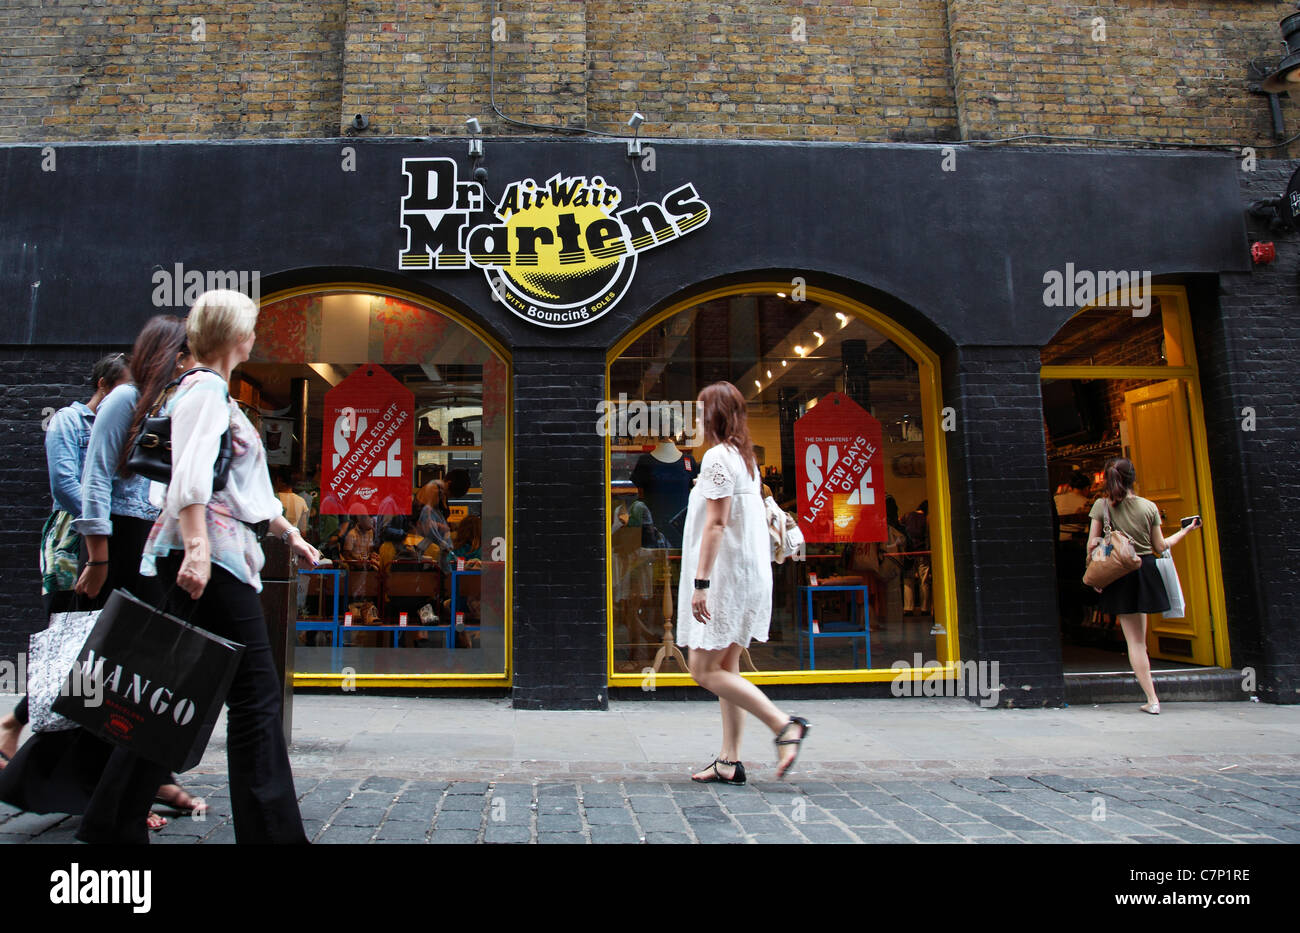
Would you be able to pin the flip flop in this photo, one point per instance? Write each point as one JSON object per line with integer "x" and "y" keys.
{"x": 189, "y": 804}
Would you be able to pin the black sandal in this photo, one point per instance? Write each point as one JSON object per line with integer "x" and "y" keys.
{"x": 779, "y": 741}
{"x": 737, "y": 778}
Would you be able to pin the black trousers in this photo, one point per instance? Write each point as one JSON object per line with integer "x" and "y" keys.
{"x": 263, "y": 801}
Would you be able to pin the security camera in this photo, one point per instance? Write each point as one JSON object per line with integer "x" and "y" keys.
{"x": 636, "y": 120}
{"x": 360, "y": 122}
{"x": 474, "y": 126}
{"x": 480, "y": 175}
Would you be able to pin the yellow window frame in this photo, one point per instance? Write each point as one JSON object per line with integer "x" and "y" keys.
{"x": 943, "y": 596}
{"x": 350, "y": 681}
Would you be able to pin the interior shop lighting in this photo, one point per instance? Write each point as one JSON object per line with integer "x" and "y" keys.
{"x": 820, "y": 339}
{"x": 800, "y": 350}
{"x": 844, "y": 318}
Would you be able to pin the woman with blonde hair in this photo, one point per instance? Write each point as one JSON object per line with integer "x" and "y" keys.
{"x": 1141, "y": 591}
{"x": 727, "y": 583}
{"x": 209, "y": 545}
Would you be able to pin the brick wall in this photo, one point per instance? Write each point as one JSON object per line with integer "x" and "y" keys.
{"x": 559, "y": 531}
{"x": 1164, "y": 71}
{"x": 1002, "y": 543}
{"x": 35, "y": 382}
{"x": 927, "y": 70}
{"x": 169, "y": 70}
{"x": 1247, "y": 344}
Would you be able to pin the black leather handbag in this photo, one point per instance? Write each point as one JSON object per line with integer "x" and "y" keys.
{"x": 151, "y": 454}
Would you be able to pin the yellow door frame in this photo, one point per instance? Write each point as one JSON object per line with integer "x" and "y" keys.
{"x": 944, "y": 596}
{"x": 1174, "y": 297}
{"x": 347, "y": 682}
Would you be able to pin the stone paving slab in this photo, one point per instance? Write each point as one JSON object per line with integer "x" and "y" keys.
{"x": 381, "y": 809}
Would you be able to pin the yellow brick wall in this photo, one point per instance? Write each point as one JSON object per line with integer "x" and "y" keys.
{"x": 920, "y": 70}
{"x": 1167, "y": 71}
{"x": 167, "y": 70}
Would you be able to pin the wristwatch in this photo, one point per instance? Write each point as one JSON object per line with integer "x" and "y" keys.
{"x": 701, "y": 584}
{"x": 292, "y": 529}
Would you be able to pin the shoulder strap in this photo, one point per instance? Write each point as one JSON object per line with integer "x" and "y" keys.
{"x": 158, "y": 403}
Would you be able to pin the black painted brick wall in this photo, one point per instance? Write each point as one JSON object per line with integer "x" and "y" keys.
{"x": 1001, "y": 524}
{"x": 1248, "y": 349}
{"x": 559, "y": 531}
{"x": 32, "y": 381}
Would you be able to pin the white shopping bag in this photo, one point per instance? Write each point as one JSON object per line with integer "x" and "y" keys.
{"x": 53, "y": 654}
{"x": 1168, "y": 573}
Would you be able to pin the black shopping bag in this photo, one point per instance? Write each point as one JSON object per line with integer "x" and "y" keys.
{"x": 150, "y": 682}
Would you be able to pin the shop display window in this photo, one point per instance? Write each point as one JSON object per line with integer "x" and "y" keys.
{"x": 876, "y": 589}
{"x": 388, "y": 420}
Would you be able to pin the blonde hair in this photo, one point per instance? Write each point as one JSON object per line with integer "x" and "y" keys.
{"x": 218, "y": 319}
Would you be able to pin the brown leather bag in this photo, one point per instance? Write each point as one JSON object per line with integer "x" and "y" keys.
{"x": 1115, "y": 557}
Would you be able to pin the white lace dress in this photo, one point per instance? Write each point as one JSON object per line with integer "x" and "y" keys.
{"x": 740, "y": 585}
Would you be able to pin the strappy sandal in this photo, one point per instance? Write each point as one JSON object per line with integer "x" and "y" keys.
{"x": 804, "y": 725}
{"x": 737, "y": 778}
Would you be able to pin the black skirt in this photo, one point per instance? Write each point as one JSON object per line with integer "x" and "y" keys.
{"x": 1142, "y": 590}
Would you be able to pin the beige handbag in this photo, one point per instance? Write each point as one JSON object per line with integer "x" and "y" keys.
{"x": 1115, "y": 557}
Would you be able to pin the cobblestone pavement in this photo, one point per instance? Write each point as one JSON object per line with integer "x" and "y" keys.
{"x": 1255, "y": 804}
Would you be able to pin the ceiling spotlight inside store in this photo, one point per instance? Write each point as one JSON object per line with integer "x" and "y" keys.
{"x": 801, "y": 351}
{"x": 475, "y": 144}
{"x": 820, "y": 339}
{"x": 844, "y": 318}
{"x": 758, "y": 384}
{"x": 783, "y": 362}
{"x": 769, "y": 374}
{"x": 634, "y": 146}
{"x": 780, "y": 294}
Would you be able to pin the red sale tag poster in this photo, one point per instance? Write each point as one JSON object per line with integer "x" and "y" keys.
{"x": 369, "y": 437}
{"x": 839, "y": 473}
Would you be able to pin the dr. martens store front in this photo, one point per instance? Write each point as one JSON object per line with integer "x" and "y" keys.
{"x": 483, "y": 389}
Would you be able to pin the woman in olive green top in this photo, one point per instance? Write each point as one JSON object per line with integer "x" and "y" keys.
{"x": 1141, "y": 591}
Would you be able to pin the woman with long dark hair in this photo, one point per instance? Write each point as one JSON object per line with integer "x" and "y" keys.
{"x": 727, "y": 582}
{"x": 1141, "y": 591}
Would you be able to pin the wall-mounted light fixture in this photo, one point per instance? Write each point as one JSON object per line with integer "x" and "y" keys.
{"x": 634, "y": 150}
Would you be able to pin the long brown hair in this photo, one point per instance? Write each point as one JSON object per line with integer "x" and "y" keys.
{"x": 725, "y": 421}
{"x": 153, "y": 365}
{"x": 1120, "y": 477}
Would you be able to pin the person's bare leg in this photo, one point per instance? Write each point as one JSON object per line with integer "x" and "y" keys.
{"x": 733, "y": 722}
{"x": 1134, "y": 626}
{"x": 10, "y": 730}
{"x": 708, "y": 671}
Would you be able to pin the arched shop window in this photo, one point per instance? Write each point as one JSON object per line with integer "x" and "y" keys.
{"x": 389, "y": 419}
{"x": 842, "y": 406}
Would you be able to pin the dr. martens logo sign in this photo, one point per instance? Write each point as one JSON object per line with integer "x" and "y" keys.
{"x": 559, "y": 254}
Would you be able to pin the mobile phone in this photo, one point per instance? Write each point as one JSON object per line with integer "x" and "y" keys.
{"x": 1189, "y": 519}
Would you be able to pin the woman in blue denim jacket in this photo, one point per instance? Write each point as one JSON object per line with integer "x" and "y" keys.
{"x": 116, "y": 513}
{"x": 59, "y": 772}
{"x": 66, "y": 437}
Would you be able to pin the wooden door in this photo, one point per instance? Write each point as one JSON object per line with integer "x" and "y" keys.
{"x": 1160, "y": 441}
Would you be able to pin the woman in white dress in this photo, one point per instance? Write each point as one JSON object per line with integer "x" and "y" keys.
{"x": 727, "y": 582}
